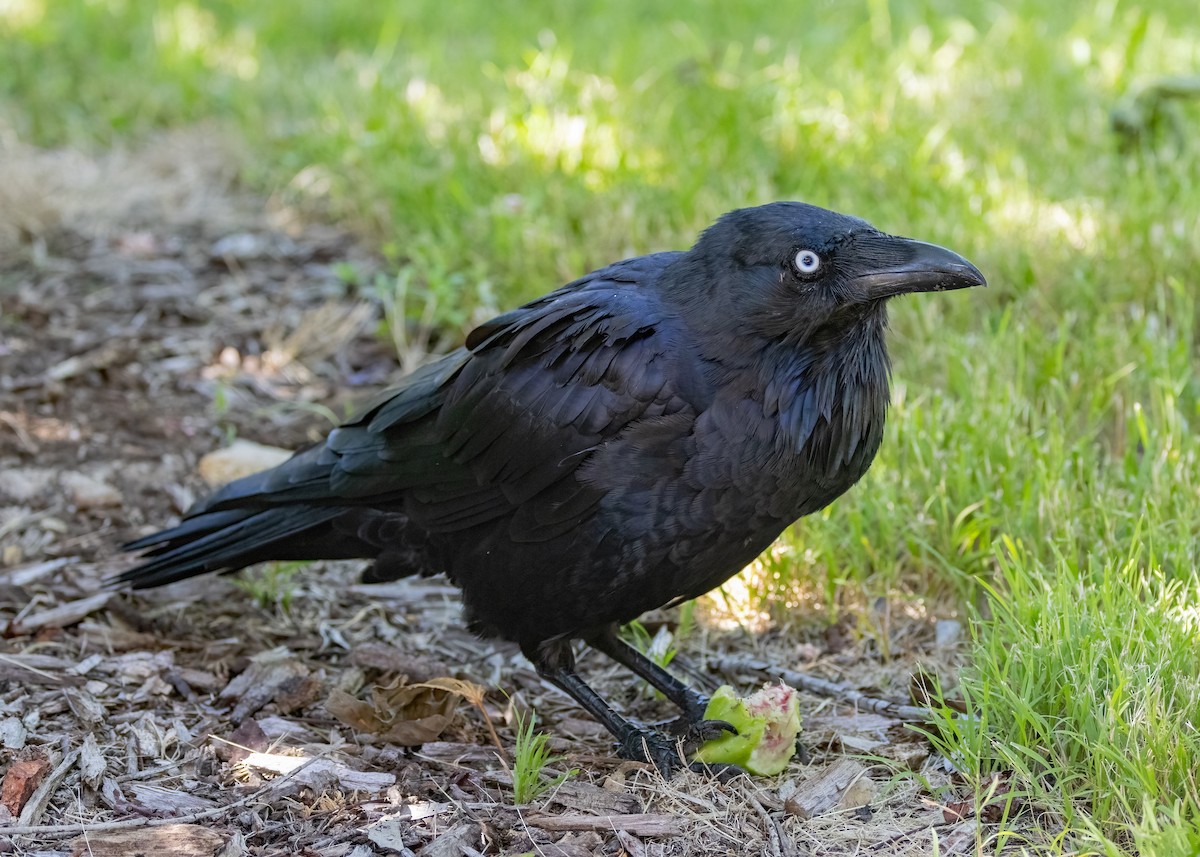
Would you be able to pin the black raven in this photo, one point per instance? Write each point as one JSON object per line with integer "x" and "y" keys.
{"x": 628, "y": 441}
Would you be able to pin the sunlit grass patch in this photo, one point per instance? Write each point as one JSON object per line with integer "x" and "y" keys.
{"x": 1084, "y": 686}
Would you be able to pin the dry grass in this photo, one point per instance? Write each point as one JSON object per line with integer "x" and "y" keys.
{"x": 173, "y": 181}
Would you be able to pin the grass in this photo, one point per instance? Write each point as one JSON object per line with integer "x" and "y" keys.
{"x": 271, "y": 586}
{"x": 531, "y": 755}
{"x": 1082, "y": 697}
{"x": 660, "y": 647}
{"x": 1041, "y": 464}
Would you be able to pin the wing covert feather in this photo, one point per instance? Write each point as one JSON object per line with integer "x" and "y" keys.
{"x": 496, "y": 428}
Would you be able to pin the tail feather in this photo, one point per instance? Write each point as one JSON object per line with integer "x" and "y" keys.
{"x": 188, "y": 529}
{"x": 232, "y": 539}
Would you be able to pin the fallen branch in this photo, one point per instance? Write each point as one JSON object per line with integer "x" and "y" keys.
{"x": 62, "y": 615}
{"x": 770, "y": 825}
{"x": 639, "y": 824}
{"x": 824, "y": 687}
{"x": 26, "y": 574}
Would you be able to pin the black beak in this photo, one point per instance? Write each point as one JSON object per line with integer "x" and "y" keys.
{"x": 897, "y": 266}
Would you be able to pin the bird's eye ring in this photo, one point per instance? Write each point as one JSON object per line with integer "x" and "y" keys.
{"x": 806, "y": 262}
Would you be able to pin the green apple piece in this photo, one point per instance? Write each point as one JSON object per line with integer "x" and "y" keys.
{"x": 767, "y": 722}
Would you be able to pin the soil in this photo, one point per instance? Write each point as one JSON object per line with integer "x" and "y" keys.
{"x": 136, "y": 338}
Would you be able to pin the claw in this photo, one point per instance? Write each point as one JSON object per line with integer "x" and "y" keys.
{"x": 700, "y": 728}
{"x": 642, "y": 745}
{"x": 706, "y": 730}
{"x": 670, "y": 756}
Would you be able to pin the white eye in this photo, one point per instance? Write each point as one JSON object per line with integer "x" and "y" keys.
{"x": 807, "y": 261}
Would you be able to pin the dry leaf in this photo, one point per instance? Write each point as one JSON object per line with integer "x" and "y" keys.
{"x": 404, "y": 714}
{"x": 271, "y": 675}
{"x": 471, "y": 692}
{"x": 996, "y": 802}
{"x": 957, "y": 810}
{"x": 247, "y": 738}
{"x": 474, "y": 694}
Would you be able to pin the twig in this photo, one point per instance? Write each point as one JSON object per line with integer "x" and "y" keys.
{"x": 55, "y": 830}
{"x": 823, "y": 687}
{"x": 16, "y": 663}
{"x": 149, "y": 773}
{"x": 632, "y": 845}
{"x": 769, "y": 824}
{"x": 21, "y": 575}
{"x": 649, "y": 824}
{"x": 62, "y": 615}
{"x": 19, "y": 430}
{"x": 487, "y": 721}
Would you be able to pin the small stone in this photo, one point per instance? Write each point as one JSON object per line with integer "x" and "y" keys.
{"x": 12, "y": 733}
{"x": 859, "y": 793}
{"x": 88, "y": 493}
{"x": 25, "y": 483}
{"x": 240, "y": 246}
{"x": 241, "y": 458}
{"x": 947, "y": 633}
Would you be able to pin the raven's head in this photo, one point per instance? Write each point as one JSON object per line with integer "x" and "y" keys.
{"x": 788, "y": 270}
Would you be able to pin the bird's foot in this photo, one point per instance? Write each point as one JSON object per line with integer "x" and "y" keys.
{"x": 702, "y": 731}
{"x": 669, "y": 756}
{"x": 644, "y": 745}
{"x": 694, "y": 730}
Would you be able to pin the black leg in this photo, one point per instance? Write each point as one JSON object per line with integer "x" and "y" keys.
{"x": 695, "y": 729}
{"x": 556, "y": 664}
{"x": 691, "y": 703}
